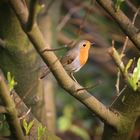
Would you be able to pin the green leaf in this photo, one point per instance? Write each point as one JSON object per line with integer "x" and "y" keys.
{"x": 11, "y": 81}
{"x": 40, "y": 131}
{"x": 30, "y": 125}
{"x": 64, "y": 123}
{"x": 134, "y": 78}
{"x": 118, "y": 4}
{"x": 128, "y": 65}
{"x": 27, "y": 127}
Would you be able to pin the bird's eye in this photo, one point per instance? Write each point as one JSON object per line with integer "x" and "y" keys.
{"x": 84, "y": 45}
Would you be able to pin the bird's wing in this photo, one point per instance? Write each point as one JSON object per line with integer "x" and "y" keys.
{"x": 69, "y": 58}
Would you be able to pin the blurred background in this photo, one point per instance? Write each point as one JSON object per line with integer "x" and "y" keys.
{"x": 84, "y": 19}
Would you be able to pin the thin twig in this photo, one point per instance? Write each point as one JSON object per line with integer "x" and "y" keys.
{"x": 123, "y": 89}
{"x": 124, "y": 46}
{"x": 127, "y": 39}
{"x": 90, "y": 87}
{"x": 23, "y": 116}
{"x": 135, "y": 15}
{"x": 123, "y": 21}
{"x": 117, "y": 85}
{"x": 118, "y": 95}
{"x": 131, "y": 5}
{"x": 67, "y": 17}
{"x": 57, "y": 49}
{"x": 116, "y": 57}
{"x": 84, "y": 19}
{"x": 32, "y": 14}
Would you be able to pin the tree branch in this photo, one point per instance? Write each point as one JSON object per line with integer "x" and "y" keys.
{"x": 117, "y": 59}
{"x": 12, "y": 116}
{"x": 32, "y": 14}
{"x": 60, "y": 74}
{"x": 22, "y": 13}
{"x": 126, "y": 25}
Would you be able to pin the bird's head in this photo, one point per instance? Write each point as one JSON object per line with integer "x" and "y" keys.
{"x": 85, "y": 45}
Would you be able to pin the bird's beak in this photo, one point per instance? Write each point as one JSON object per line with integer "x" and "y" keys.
{"x": 92, "y": 43}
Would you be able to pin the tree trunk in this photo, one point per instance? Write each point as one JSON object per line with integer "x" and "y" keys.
{"x": 48, "y": 21}
{"x": 19, "y": 57}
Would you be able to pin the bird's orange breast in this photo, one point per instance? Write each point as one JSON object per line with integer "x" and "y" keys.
{"x": 83, "y": 55}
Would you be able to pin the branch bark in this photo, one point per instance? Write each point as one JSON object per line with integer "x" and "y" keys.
{"x": 32, "y": 14}
{"x": 60, "y": 74}
{"x": 12, "y": 116}
{"x": 126, "y": 25}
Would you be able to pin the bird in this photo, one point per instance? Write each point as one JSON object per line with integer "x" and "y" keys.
{"x": 75, "y": 58}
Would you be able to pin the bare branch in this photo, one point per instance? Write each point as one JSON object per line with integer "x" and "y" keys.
{"x": 57, "y": 49}
{"x": 129, "y": 29}
{"x": 27, "y": 113}
{"x": 11, "y": 111}
{"x": 135, "y": 16}
{"x": 116, "y": 57}
{"x": 22, "y": 13}
{"x": 131, "y": 5}
{"x": 84, "y": 19}
{"x": 63, "y": 78}
{"x": 124, "y": 46}
{"x": 32, "y": 14}
{"x": 67, "y": 17}
{"x": 90, "y": 87}
{"x": 126, "y": 39}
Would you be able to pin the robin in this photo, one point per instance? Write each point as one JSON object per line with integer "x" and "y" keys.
{"x": 75, "y": 58}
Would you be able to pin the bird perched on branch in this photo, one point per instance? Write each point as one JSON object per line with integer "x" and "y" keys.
{"x": 75, "y": 58}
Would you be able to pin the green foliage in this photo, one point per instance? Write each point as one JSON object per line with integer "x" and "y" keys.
{"x": 128, "y": 66}
{"x": 134, "y": 78}
{"x": 65, "y": 123}
{"x": 11, "y": 81}
{"x": 27, "y": 127}
{"x": 118, "y": 4}
{"x": 40, "y": 131}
